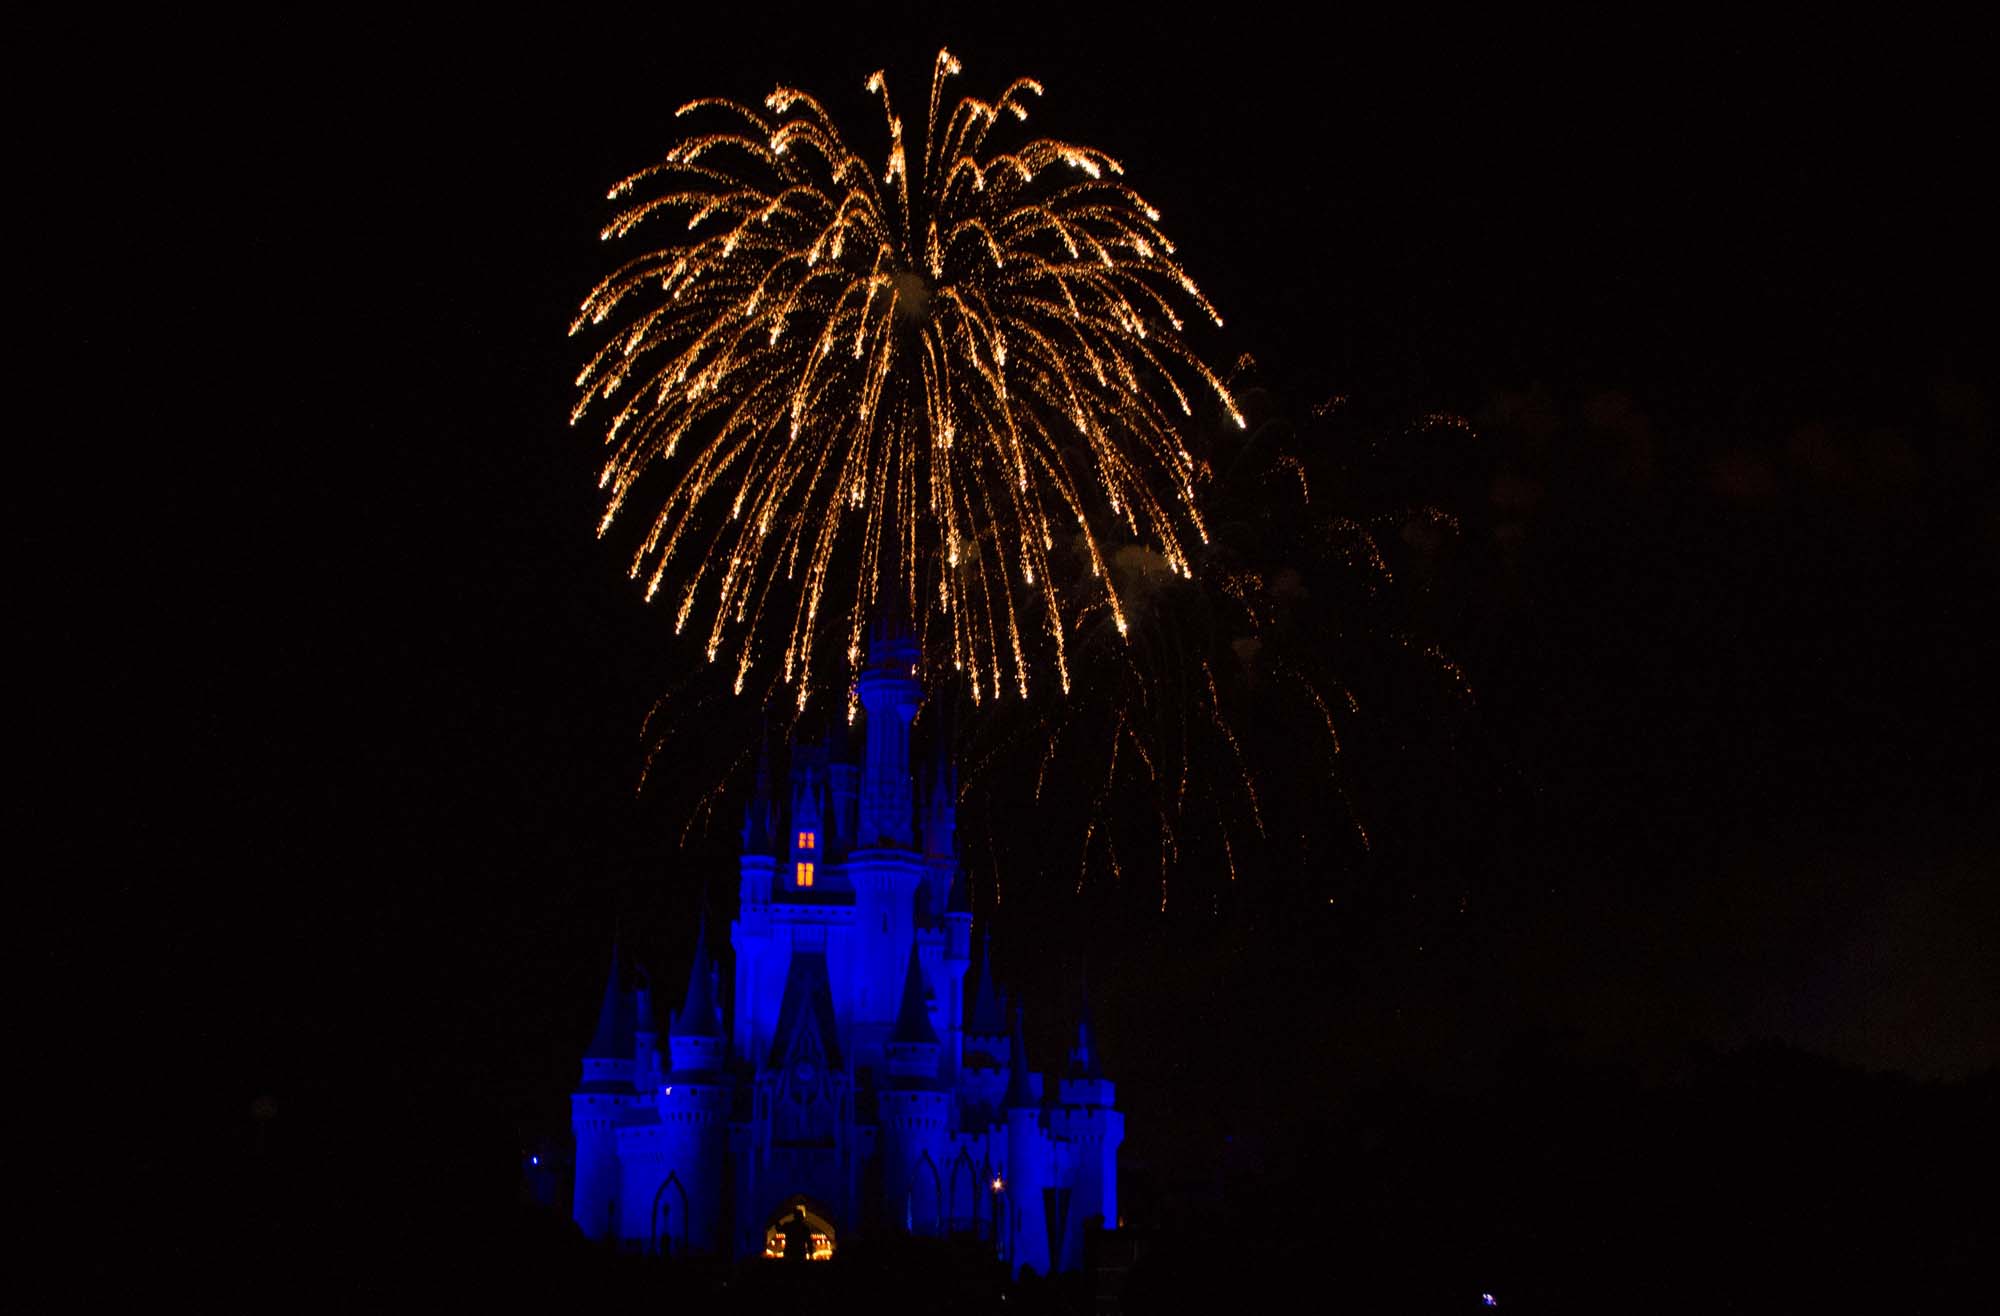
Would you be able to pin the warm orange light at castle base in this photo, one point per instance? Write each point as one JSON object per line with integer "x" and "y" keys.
{"x": 774, "y": 1246}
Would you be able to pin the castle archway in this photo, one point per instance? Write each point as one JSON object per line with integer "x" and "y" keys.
{"x": 799, "y": 1230}
{"x": 670, "y": 1217}
{"x": 925, "y": 1208}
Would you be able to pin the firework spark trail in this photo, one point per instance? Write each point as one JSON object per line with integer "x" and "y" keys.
{"x": 1048, "y": 756}
{"x": 1460, "y": 682}
{"x": 896, "y": 360}
{"x": 1242, "y": 765}
{"x": 1325, "y": 713}
{"x": 1097, "y": 808}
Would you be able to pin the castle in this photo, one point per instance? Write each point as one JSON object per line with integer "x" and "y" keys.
{"x": 849, "y": 1083}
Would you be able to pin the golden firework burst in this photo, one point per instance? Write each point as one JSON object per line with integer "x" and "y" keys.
{"x": 954, "y": 369}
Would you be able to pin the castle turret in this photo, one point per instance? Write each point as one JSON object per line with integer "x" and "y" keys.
{"x": 986, "y": 1027}
{"x": 843, "y": 777}
{"x": 914, "y": 1045}
{"x": 1087, "y": 1120}
{"x": 607, "y": 1062}
{"x": 952, "y": 968}
{"x": 696, "y": 1037}
{"x": 675, "y": 1169}
{"x": 890, "y": 695}
{"x": 915, "y": 1112}
{"x": 645, "y": 1036}
{"x": 941, "y": 802}
{"x": 884, "y": 867}
{"x": 600, "y": 1104}
{"x": 1026, "y": 1236}
{"x": 808, "y": 870}
{"x": 1083, "y": 1082}
{"x": 756, "y": 863}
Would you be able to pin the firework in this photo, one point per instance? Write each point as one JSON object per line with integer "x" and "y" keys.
{"x": 953, "y": 384}
{"x": 1214, "y": 734}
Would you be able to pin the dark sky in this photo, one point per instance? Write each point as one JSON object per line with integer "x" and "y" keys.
{"x": 1717, "y": 308}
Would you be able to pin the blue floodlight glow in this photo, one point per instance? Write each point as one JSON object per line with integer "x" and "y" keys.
{"x": 844, "y": 1032}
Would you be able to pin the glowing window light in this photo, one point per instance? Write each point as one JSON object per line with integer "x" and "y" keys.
{"x": 805, "y": 875}
{"x": 805, "y": 840}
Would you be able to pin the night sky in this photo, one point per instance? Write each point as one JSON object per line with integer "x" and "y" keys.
{"x": 366, "y": 693}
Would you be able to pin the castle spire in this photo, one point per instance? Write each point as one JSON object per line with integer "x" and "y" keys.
{"x": 1017, "y": 1071}
{"x": 699, "y": 1016}
{"x": 757, "y": 815}
{"x": 1083, "y": 1061}
{"x": 987, "y": 1018}
{"x": 642, "y": 1001}
{"x": 913, "y": 1020}
{"x": 613, "y": 1039}
{"x": 890, "y": 693}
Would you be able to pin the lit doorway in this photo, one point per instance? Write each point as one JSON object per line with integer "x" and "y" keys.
{"x": 799, "y": 1231}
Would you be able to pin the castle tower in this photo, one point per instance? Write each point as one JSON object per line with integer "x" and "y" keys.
{"x": 646, "y": 1067}
{"x": 696, "y": 1036}
{"x": 1087, "y": 1119}
{"x": 599, "y": 1106}
{"x": 675, "y": 1163}
{"x": 1025, "y": 1230}
{"x": 760, "y": 821}
{"x": 915, "y": 1113}
{"x": 843, "y": 793}
{"x": 890, "y": 696}
{"x": 806, "y": 835}
{"x": 884, "y": 867}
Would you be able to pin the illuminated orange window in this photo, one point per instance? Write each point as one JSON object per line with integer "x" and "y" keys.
{"x": 805, "y": 840}
{"x": 805, "y": 874}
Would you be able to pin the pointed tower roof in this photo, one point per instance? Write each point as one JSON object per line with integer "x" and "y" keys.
{"x": 913, "y": 1020}
{"x": 1017, "y": 1071}
{"x": 643, "y": 1018}
{"x": 699, "y": 1016}
{"x": 944, "y": 767}
{"x": 807, "y": 1006}
{"x": 808, "y": 785}
{"x": 613, "y": 1039}
{"x": 1083, "y": 1062}
{"x": 757, "y": 819}
{"x": 987, "y": 1018}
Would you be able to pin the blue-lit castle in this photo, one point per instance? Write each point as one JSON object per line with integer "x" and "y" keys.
{"x": 846, "y": 1082}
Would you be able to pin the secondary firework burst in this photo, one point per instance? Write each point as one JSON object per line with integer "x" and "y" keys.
{"x": 952, "y": 384}
{"x": 1243, "y": 724}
